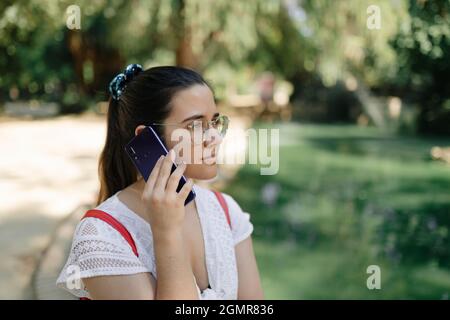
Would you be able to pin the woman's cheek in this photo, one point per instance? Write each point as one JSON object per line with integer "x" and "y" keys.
{"x": 183, "y": 149}
{"x": 196, "y": 153}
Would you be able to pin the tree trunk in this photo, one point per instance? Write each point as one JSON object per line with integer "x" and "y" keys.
{"x": 185, "y": 56}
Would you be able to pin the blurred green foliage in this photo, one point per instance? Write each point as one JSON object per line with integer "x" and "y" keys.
{"x": 423, "y": 47}
{"x": 311, "y": 43}
{"x": 351, "y": 197}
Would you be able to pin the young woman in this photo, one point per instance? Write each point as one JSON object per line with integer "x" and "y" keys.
{"x": 180, "y": 252}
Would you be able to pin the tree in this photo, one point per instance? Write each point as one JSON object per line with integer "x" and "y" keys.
{"x": 423, "y": 48}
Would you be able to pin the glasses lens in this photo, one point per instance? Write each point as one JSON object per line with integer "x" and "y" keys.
{"x": 196, "y": 130}
{"x": 221, "y": 124}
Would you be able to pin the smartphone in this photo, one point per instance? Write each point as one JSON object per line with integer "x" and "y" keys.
{"x": 144, "y": 151}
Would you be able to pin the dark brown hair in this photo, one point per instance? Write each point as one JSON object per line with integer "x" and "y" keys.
{"x": 145, "y": 99}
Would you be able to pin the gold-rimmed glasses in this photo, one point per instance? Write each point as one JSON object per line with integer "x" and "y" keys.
{"x": 220, "y": 123}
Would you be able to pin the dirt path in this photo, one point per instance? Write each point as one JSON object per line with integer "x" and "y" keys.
{"x": 47, "y": 168}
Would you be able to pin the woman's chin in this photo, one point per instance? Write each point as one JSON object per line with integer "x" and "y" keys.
{"x": 201, "y": 171}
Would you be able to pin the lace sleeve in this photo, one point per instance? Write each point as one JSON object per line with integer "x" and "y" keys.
{"x": 241, "y": 226}
{"x": 97, "y": 250}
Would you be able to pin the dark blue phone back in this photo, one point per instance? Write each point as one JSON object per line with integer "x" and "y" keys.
{"x": 144, "y": 151}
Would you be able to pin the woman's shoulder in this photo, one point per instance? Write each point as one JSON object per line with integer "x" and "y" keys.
{"x": 114, "y": 224}
{"x": 232, "y": 204}
{"x": 91, "y": 226}
{"x": 240, "y": 220}
{"x": 100, "y": 249}
{"x": 103, "y": 227}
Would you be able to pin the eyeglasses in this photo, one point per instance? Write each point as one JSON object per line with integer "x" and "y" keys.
{"x": 220, "y": 124}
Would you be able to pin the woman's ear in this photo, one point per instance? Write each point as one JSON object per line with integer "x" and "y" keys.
{"x": 138, "y": 129}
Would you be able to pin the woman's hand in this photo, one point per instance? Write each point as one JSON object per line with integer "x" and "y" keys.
{"x": 163, "y": 205}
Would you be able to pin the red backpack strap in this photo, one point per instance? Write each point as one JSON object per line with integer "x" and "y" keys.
{"x": 223, "y": 204}
{"x": 113, "y": 222}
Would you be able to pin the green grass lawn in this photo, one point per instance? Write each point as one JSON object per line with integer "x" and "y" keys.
{"x": 351, "y": 197}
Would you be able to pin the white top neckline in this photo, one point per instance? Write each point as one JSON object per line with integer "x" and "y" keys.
{"x": 205, "y": 245}
{"x": 98, "y": 249}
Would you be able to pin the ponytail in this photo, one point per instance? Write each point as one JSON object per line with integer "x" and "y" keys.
{"x": 115, "y": 169}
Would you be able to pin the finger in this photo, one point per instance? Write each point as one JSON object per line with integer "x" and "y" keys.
{"x": 164, "y": 173}
{"x": 148, "y": 189}
{"x": 186, "y": 189}
{"x": 175, "y": 177}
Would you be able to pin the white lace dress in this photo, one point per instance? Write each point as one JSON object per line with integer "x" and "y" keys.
{"x": 99, "y": 249}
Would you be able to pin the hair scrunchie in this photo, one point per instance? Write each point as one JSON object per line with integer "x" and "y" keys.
{"x": 117, "y": 85}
